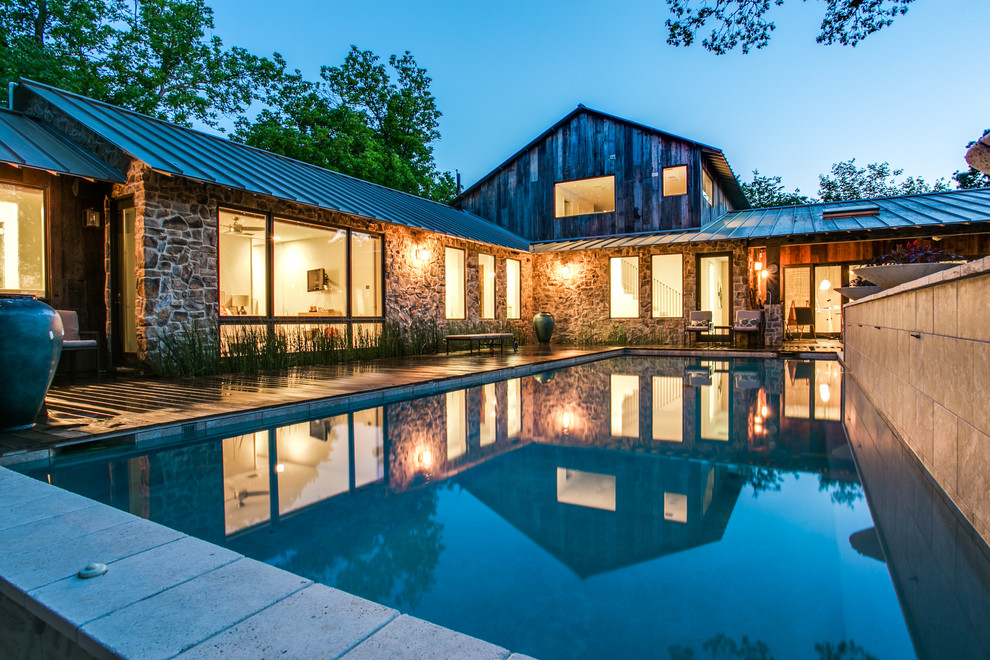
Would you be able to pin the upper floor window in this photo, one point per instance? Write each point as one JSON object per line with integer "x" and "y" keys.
{"x": 707, "y": 190}
{"x": 675, "y": 180}
{"x": 22, "y": 240}
{"x": 584, "y": 196}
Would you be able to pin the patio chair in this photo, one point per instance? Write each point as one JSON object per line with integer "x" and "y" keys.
{"x": 698, "y": 323}
{"x": 73, "y": 341}
{"x": 798, "y": 318}
{"x": 748, "y": 323}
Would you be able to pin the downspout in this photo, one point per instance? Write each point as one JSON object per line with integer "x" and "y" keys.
{"x": 10, "y": 94}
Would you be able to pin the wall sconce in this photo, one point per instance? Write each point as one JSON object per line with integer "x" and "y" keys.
{"x": 565, "y": 422}
{"x": 764, "y": 274}
{"x": 425, "y": 459}
{"x": 566, "y": 271}
{"x": 757, "y": 265}
{"x": 422, "y": 254}
{"x": 92, "y": 218}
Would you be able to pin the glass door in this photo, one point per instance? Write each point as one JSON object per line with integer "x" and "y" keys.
{"x": 126, "y": 283}
{"x": 714, "y": 288}
{"x": 828, "y": 301}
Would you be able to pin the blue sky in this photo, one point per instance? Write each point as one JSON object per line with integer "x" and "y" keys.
{"x": 913, "y": 94}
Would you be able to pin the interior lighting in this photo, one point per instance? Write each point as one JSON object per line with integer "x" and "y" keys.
{"x": 824, "y": 392}
{"x": 758, "y": 265}
{"x": 825, "y": 285}
{"x": 280, "y": 467}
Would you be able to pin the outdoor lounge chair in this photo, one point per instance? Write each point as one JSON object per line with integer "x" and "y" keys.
{"x": 73, "y": 342}
{"x": 698, "y": 323}
{"x": 748, "y": 323}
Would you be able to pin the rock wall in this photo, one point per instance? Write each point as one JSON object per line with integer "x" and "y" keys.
{"x": 580, "y": 300}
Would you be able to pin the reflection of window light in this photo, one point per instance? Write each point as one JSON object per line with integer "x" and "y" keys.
{"x": 675, "y": 507}
{"x": 587, "y": 489}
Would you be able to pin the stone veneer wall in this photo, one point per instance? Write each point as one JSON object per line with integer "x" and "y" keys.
{"x": 581, "y": 303}
{"x": 178, "y": 230}
{"x": 921, "y": 352}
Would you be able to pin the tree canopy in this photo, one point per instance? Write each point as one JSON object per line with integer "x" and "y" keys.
{"x": 727, "y": 24}
{"x": 362, "y": 118}
{"x": 768, "y": 191}
{"x": 153, "y": 56}
{"x": 846, "y": 181}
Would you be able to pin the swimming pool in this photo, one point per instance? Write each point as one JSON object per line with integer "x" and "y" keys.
{"x": 628, "y": 507}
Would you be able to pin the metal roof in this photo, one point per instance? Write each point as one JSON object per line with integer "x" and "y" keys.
{"x": 26, "y": 142}
{"x": 186, "y": 152}
{"x": 712, "y": 155}
{"x": 931, "y": 210}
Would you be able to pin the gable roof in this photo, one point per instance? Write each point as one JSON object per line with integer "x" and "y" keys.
{"x": 928, "y": 210}
{"x": 180, "y": 151}
{"x": 713, "y": 156}
{"x": 26, "y": 142}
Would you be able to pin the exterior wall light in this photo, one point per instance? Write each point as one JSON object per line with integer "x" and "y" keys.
{"x": 566, "y": 271}
{"x": 422, "y": 254}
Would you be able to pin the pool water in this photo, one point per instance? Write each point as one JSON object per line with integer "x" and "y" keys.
{"x": 634, "y": 507}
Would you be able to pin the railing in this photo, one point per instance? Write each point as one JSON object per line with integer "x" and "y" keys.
{"x": 666, "y": 390}
{"x": 630, "y": 278}
{"x": 667, "y": 301}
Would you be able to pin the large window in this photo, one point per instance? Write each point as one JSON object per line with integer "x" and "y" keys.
{"x": 668, "y": 296}
{"x": 22, "y": 240}
{"x": 310, "y": 270}
{"x": 310, "y": 276}
{"x": 486, "y": 285}
{"x": 455, "y": 283}
{"x": 624, "y": 287}
{"x": 585, "y": 196}
{"x": 675, "y": 180}
{"x": 512, "y": 287}
{"x": 707, "y": 189}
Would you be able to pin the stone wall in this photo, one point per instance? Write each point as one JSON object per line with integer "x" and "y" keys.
{"x": 921, "y": 352}
{"x": 178, "y": 231}
{"x": 580, "y": 302}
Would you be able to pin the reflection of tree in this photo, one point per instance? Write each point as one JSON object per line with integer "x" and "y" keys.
{"x": 842, "y": 651}
{"x": 762, "y": 478}
{"x": 395, "y": 566}
{"x": 842, "y": 492}
{"x": 721, "y": 647}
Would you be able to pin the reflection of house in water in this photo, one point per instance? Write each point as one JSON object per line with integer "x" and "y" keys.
{"x": 597, "y": 511}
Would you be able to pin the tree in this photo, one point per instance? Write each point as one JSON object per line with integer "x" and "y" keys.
{"x": 848, "y": 182}
{"x": 152, "y": 56}
{"x": 768, "y": 191}
{"x": 744, "y": 23}
{"x": 361, "y": 119}
{"x": 972, "y": 178}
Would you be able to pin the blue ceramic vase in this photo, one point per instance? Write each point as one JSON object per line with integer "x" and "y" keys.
{"x": 29, "y": 352}
{"x": 543, "y": 324}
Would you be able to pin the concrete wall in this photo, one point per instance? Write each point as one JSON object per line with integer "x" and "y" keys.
{"x": 921, "y": 352}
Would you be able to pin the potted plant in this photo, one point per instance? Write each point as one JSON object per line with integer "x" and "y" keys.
{"x": 859, "y": 287}
{"x": 907, "y": 262}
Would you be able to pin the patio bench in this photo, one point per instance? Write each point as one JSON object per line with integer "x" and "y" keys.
{"x": 490, "y": 337}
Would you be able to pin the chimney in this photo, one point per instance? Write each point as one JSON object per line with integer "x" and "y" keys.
{"x": 458, "y": 172}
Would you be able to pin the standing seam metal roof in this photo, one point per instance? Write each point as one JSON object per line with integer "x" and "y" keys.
{"x": 957, "y": 207}
{"x": 186, "y": 152}
{"x": 26, "y": 142}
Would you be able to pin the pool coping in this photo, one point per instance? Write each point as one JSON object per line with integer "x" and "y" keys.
{"x": 215, "y": 600}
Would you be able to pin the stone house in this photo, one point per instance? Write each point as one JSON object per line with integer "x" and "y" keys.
{"x": 144, "y": 227}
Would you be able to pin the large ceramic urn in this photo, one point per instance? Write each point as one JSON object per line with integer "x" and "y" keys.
{"x": 31, "y": 344}
{"x": 543, "y": 324}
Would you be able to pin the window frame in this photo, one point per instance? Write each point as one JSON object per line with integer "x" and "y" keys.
{"x": 663, "y": 180}
{"x": 652, "y": 279}
{"x": 518, "y": 288}
{"x": 270, "y": 319}
{"x": 446, "y": 292}
{"x": 46, "y": 232}
{"x": 639, "y": 284}
{"x": 587, "y": 178}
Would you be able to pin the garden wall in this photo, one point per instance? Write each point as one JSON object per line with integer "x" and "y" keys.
{"x": 921, "y": 352}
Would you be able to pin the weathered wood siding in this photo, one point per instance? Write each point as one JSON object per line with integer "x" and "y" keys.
{"x": 520, "y": 195}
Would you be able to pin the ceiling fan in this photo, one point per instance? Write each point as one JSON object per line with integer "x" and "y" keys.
{"x": 235, "y": 227}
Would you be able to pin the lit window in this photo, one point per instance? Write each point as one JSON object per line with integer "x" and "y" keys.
{"x": 242, "y": 264}
{"x": 456, "y": 424}
{"x": 587, "y": 489}
{"x": 675, "y": 180}
{"x": 585, "y": 196}
{"x": 707, "y": 189}
{"x": 625, "y": 287}
{"x": 366, "y": 274}
{"x": 668, "y": 296}
{"x": 310, "y": 270}
{"x": 455, "y": 283}
{"x": 22, "y": 240}
{"x": 512, "y": 289}
{"x": 625, "y": 405}
{"x": 668, "y": 408}
{"x": 486, "y": 285}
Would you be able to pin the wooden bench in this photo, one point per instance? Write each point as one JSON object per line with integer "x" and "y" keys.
{"x": 490, "y": 337}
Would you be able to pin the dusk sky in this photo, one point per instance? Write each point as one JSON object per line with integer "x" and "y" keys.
{"x": 913, "y": 94}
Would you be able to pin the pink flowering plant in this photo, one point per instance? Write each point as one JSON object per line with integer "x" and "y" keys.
{"x": 914, "y": 253}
